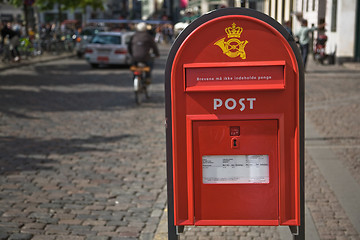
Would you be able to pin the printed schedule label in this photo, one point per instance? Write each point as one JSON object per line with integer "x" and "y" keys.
{"x": 225, "y": 169}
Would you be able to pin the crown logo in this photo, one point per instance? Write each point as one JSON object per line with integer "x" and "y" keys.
{"x": 233, "y": 47}
{"x": 233, "y": 31}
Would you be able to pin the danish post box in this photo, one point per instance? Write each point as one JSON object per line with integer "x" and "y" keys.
{"x": 234, "y": 91}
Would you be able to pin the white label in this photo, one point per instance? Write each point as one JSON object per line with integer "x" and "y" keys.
{"x": 223, "y": 169}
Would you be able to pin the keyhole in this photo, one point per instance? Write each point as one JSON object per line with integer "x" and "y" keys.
{"x": 234, "y": 143}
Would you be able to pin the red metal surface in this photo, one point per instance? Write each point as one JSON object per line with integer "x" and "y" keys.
{"x": 256, "y": 105}
{"x": 233, "y": 202}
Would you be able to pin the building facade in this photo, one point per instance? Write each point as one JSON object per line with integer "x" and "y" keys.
{"x": 113, "y": 9}
{"x": 341, "y": 18}
{"x": 342, "y": 23}
{"x": 9, "y": 13}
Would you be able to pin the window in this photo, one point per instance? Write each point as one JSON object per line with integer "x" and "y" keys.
{"x": 307, "y": 5}
{"x": 106, "y": 39}
{"x": 313, "y": 5}
{"x": 333, "y": 15}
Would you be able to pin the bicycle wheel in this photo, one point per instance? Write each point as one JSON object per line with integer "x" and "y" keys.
{"x": 138, "y": 90}
{"x": 138, "y": 97}
{"x": 146, "y": 91}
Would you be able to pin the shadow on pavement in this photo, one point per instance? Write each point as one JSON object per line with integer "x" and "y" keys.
{"x": 31, "y": 154}
{"x": 71, "y": 87}
{"x": 68, "y": 75}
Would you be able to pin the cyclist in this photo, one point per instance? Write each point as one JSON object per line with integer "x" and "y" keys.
{"x": 140, "y": 46}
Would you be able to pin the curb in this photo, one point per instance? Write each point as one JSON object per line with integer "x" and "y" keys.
{"x": 352, "y": 65}
{"x": 162, "y": 230}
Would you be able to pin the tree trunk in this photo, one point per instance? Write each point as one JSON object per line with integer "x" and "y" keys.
{"x": 59, "y": 12}
{"x": 84, "y": 17}
{"x": 26, "y": 20}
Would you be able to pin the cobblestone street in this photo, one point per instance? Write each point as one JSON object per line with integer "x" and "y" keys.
{"x": 333, "y": 107}
{"x": 80, "y": 160}
{"x": 332, "y": 102}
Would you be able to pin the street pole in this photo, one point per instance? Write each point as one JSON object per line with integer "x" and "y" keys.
{"x": 174, "y": 6}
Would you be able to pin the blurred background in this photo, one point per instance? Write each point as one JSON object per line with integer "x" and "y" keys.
{"x": 341, "y": 18}
{"x": 81, "y": 160}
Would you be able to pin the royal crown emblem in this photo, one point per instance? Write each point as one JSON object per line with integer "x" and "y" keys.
{"x": 233, "y": 47}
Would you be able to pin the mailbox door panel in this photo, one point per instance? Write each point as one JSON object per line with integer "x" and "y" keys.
{"x": 236, "y": 172}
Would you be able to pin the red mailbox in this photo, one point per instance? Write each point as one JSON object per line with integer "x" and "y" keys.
{"x": 234, "y": 89}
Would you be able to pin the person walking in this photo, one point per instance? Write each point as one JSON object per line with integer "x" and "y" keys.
{"x": 304, "y": 39}
{"x": 14, "y": 41}
{"x": 140, "y": 47}
{"x": 287, "y": 26}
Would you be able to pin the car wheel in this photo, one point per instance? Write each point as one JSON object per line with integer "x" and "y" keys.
{"x": 94, "y": 65}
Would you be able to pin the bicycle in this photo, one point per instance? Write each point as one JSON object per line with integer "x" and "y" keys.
{"x": 139, "y": 78}
{"x": 6, "y": 54}
{"x": 26, "y": 48}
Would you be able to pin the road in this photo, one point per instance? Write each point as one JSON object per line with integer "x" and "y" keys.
{"x": 78, "y": 156}
{"x": 80, "y": 160}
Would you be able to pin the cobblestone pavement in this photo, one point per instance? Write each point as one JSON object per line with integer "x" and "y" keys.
{"x": 333, "y": 105}
{"x": 79, "y": 160}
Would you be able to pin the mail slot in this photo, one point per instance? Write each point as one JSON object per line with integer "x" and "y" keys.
{"x": 234, "y": 114}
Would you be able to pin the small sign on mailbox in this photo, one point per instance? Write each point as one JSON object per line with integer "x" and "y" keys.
{"x": 234, "y": 112}
{"x": 225, "y": 169}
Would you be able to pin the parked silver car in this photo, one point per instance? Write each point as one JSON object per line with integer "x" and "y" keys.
{"x": 108, "y": 48}
{"x": 83, "y": 39}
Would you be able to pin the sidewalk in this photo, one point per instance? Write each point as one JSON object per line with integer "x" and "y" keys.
{"x": 352, "y": 65}
{"x": 38, "y": 59}
{"x": 332, "y": 184}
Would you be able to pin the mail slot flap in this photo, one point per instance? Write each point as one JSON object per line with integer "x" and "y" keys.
{"x": 234, "y": 76}
{"x": 233, "y": 184}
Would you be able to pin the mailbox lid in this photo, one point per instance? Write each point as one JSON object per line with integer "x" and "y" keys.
{"x": 236, "y": 185}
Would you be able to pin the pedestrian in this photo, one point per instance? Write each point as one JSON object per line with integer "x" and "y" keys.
{"x": 287, "y": 26}
{"x": 158, "y": 35}
{"x": 304, "y": 38}
{"x": 14, "y": 41}
{"x": 140, "y": 47}
{"x": 168, "y": 33}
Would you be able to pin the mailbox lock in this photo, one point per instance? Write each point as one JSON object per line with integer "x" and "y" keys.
{"x": 235, "y": 143}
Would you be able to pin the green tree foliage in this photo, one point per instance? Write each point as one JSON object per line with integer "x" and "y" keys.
{"x": 17, "y": 3}
{"x": 68, "y": 4}
{"x": 94, "y": 4}
{"x": 62, "y": 5}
